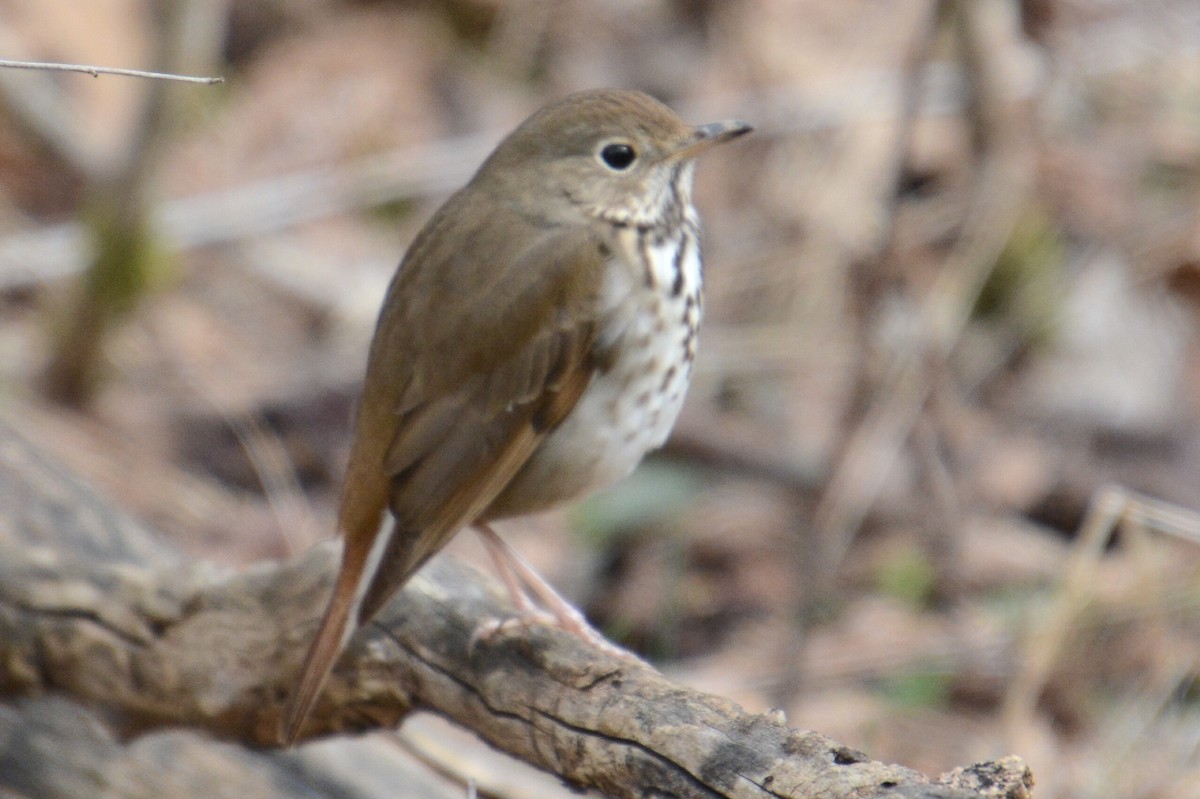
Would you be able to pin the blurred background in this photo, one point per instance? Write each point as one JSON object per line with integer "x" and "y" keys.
{"x": 935, "y": 489}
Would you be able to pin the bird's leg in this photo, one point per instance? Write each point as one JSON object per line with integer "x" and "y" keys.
{"x": 502, "y": 559}
{"x": 513, "y": 567}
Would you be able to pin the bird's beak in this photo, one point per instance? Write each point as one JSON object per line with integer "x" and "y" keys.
{"x": 706, "y": 136}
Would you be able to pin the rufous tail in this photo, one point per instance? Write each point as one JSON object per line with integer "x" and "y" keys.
{"x": 339, "y": 623}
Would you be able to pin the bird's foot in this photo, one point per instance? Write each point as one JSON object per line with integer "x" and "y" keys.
{"x": 519, "y": 625}
{"x": 559, "y": 612}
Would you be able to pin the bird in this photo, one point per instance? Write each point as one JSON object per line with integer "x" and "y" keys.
{"x": 536, "y": 341}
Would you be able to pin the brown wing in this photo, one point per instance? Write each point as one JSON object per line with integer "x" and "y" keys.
{"x": 488, "y": 350}
{"x": 452, "y": 457}
{"x": 483, "y": 346}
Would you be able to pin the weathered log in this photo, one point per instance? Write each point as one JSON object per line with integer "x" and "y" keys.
{"x": 92, "y": 608}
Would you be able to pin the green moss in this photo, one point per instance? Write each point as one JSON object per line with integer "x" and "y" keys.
{"x": 128, "y": 263}
{"x": 908, "y": 576}
{"x": 918, "y": 689}
{"x": 656, "y": 491}
{"x": 1026, "y": 288}
{"x": 393, "y": 211}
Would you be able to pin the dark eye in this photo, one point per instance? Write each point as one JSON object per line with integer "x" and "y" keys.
{"x": 618, "y": 156}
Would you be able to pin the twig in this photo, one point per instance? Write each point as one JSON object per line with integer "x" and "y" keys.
{"x": 1001, "y": 187}
{"x": 267, "y": 454}
{"x": 96, "y": 72}
{"x": 252, "y": 209}
{"x": 121, "y": 224}
{"x": 1111, "y": 506}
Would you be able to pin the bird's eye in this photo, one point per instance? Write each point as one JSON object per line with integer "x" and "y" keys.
{"x": 618, "y": 156}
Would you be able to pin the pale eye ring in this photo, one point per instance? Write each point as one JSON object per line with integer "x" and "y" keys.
{"x": 618, "y": 156}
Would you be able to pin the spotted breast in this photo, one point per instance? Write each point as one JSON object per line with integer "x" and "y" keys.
{"x": 652, "y": 302}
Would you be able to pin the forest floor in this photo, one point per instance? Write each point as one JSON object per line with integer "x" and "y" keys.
{"x": 932, "y": 346}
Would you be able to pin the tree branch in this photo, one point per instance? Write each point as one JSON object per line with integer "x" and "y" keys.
{"x": 97, "y": 71}
{"x": 90, "y": 607}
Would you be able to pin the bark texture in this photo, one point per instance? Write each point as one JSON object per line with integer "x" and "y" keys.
{"x": 94, "y": 610}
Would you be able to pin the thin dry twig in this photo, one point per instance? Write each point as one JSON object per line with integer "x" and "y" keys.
{"x": 96, "y": 71}
{"x": 295, "y": 520}
{"x": 122, "y": 200}
{"x": 252, "y": 209}
{"x": 1111, "y": 506}
{"x": 1001, "y": 187}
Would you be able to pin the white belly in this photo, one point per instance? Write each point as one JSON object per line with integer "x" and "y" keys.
{"x": 630, "y": 408}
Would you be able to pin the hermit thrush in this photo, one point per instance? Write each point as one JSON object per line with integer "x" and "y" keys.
{"x": 535, "y": 343}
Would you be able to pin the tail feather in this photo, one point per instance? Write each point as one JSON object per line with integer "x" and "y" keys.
{"x": 335, "y": 629}
{"x": 339, "y": 623}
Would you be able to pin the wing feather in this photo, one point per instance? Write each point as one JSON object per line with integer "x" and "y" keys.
{"x": 483, "y": 346}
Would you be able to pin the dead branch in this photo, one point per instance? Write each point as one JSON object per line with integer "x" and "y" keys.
{"x": 97, "y": 71}
{"x": 1000, "y": 130}
{"x": 90, "y": 607}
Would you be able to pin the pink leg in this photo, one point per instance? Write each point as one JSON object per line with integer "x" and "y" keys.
{"x": 500, "y": 555}
{"x": 513, "y": 567}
